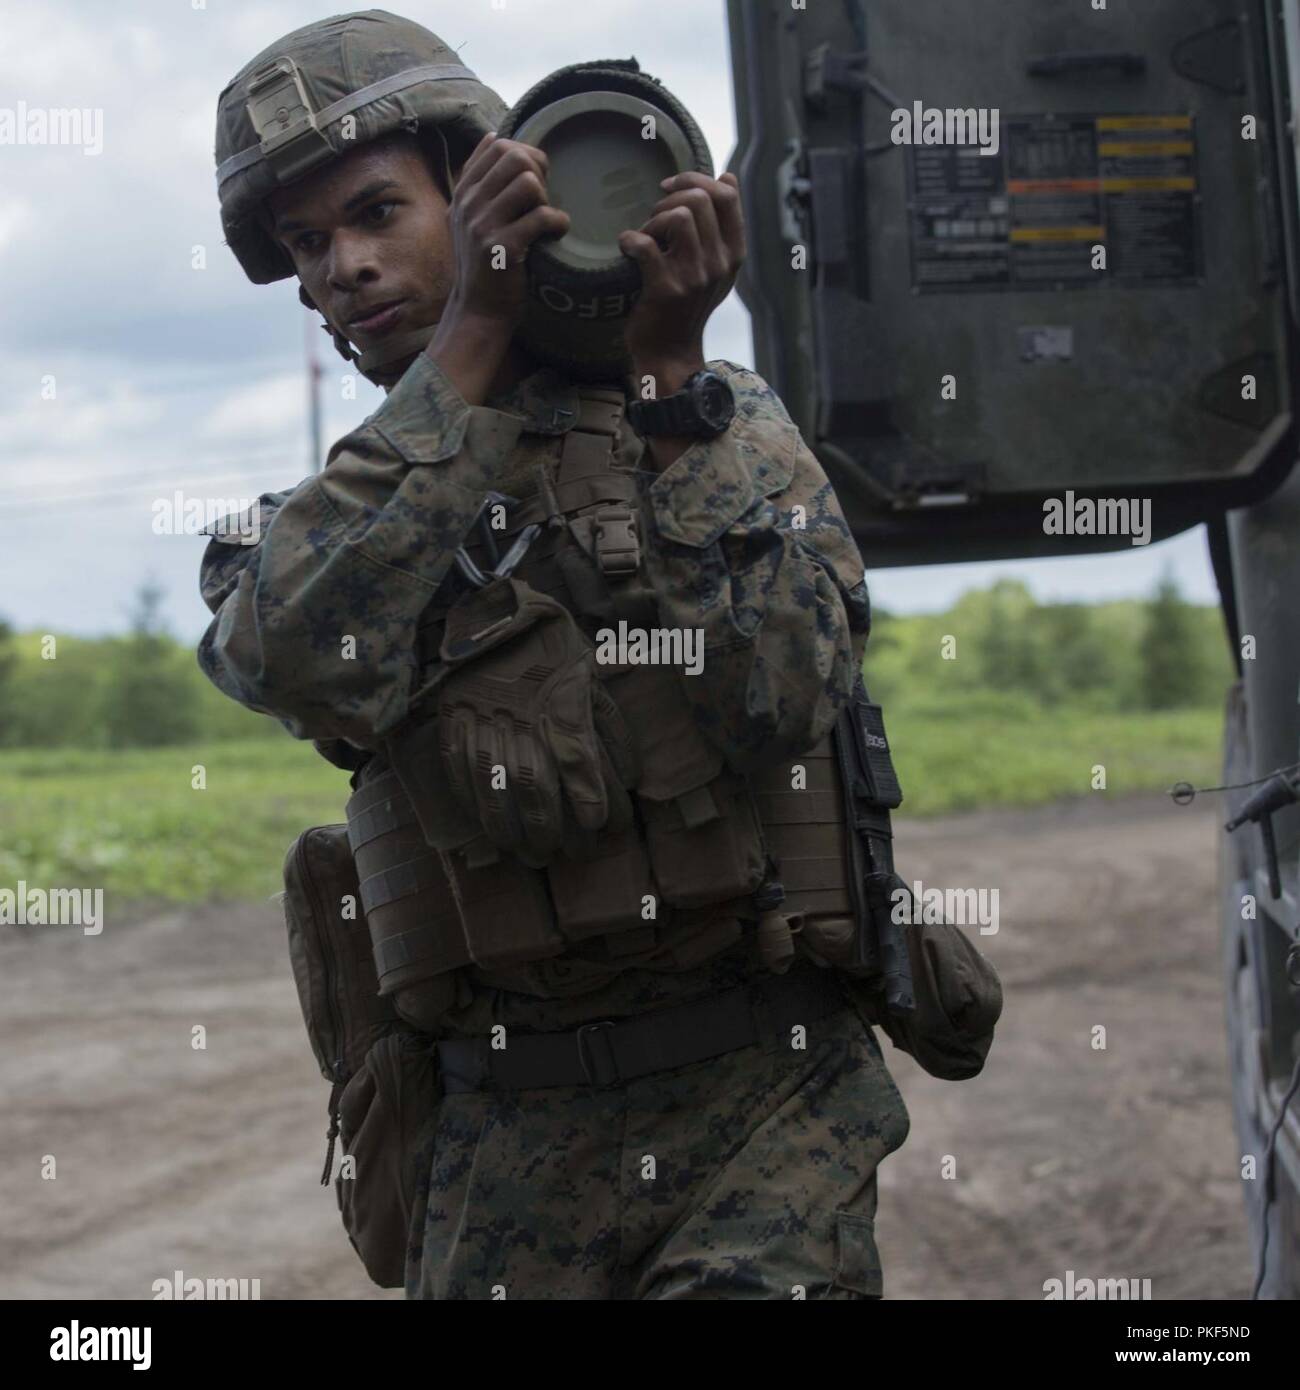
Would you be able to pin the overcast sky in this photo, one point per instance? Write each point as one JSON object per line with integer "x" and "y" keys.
{"x": 169, "y": 377}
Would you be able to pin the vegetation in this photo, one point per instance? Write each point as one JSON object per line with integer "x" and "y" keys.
{"x": 120, "y": 764}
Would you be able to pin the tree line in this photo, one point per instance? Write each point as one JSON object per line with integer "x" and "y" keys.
{"x": 996, "y": 648}
{"x": 1000, "y": 645}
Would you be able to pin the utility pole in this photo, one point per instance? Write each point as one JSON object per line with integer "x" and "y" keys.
{"x": 313, "y": 390}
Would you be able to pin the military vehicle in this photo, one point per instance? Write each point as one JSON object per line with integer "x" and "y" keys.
{"x": 1087, "y": 301}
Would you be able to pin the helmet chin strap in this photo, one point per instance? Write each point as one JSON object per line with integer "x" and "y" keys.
{"x": 405, "y": 345}
{"x": 391, "y": 350}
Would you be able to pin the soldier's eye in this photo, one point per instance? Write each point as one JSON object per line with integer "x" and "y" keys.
{"x": 306, "y": 242}
{"x": 378, "y": 212}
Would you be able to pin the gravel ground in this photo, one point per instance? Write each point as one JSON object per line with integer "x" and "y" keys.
{"x": 1114, "y": 1163}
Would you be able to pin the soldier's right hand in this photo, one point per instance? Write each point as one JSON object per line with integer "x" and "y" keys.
{"x": 498, "y": 210}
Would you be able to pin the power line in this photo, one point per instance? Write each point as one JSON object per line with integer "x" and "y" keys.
{"x": 137, "y": 475}
{"x": 116, "y": 497}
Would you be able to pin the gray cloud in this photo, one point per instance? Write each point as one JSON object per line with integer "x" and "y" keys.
{"x": 166, "y": 376}
{"x": 169, "y": 377}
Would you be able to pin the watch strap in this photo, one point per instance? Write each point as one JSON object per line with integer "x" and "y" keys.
{"x": 671, "y": 415}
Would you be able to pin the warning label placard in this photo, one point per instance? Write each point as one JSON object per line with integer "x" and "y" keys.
{"x": 1029, "y": 217}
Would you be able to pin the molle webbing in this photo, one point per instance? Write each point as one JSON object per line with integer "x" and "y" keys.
{"x": 602, "y": 560}
{"x": 705, "y": 838}
{"x": 589, "y": 554}
{"x": 414, "y": 925}
{"x": 805, "y": 832}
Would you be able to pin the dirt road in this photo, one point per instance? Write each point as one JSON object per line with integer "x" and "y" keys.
{"x": 1114, "y": 1163}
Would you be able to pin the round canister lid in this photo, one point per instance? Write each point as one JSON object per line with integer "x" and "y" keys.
{"x": 608, "y": 152}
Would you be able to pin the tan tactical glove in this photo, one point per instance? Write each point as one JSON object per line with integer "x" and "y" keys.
{"x": 532, "y": 744}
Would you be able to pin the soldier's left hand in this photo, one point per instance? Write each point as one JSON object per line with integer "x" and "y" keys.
{"x": 690, "y": 252}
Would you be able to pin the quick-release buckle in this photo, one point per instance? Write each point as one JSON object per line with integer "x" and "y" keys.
{"x": 285, "y": 121}
{"x": 618, "y": 551}
{"x": 586, "y": 1055}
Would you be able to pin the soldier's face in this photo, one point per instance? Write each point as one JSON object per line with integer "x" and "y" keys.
{"x": 370, "y": 240}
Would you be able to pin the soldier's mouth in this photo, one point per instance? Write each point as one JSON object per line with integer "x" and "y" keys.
{"x": 378, "y": 321}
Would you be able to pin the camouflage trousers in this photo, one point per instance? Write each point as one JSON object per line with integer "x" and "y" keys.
{"x": 750, "y": 1175}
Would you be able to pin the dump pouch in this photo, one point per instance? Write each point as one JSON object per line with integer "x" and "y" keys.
{"x": 387, "y": 1114}
{"x": 958, "y": 995}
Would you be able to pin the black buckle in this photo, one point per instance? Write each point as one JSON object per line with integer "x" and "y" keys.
{"x": 586, "y": 1058}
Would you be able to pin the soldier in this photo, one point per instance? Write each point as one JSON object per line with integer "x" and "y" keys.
{"x": 669, "y": 1116}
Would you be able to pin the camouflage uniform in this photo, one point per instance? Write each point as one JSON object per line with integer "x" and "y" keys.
{"x": 748, "y": 1175}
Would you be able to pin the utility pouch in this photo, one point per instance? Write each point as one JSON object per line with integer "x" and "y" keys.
{"x": 384, "y": 1093}
{"x": 329, "y": 951}
{"x": 387, "y": 1114}
{"x": 706, "y": 845}
{"x": 604, "y": 894}
{"x": 504, "y": 907}
{"x": 702, "y": 829}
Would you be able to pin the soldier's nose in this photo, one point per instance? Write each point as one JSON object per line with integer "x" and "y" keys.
{"x": 350, "y": 265}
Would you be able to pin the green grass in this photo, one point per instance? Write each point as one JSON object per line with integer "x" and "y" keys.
{"x": 948, "y": 760}
{"x": 131, "y": 823}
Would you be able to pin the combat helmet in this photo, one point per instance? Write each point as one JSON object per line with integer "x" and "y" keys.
{"x": 317, "y": 94}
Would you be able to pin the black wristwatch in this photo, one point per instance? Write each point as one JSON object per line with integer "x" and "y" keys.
{"x": 704, "y": 407}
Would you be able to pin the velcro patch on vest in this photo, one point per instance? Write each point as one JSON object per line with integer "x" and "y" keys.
{"x": 885, "y": 790}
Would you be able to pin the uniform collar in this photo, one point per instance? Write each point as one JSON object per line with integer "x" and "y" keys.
{"x": 546, "y": 400}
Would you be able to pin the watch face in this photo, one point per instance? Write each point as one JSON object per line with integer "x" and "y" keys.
{"x": 714, "y": 400}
